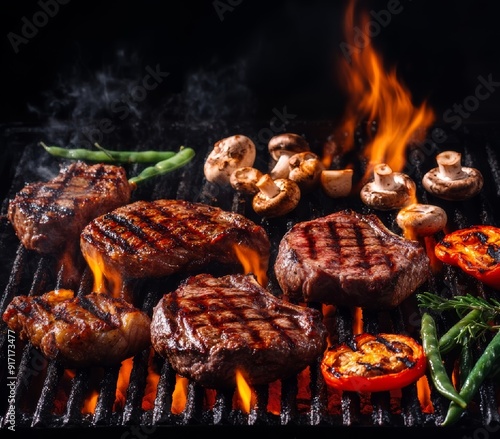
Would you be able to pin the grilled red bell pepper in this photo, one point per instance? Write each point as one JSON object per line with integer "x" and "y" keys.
{"x": 476, "y": 250}
{"x": 376, "y": 363}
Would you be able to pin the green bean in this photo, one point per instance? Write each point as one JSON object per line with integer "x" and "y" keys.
{"x": 465, "y": 360}
{"x": 451, "y": 338}
{"x": 437, "y": 370}
{"x": 108, "y": 156}
{"x": 483, "y": 368}
{"x": 181, "y": 158}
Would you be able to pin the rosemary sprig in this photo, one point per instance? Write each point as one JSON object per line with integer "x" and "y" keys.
{"x": 484, "y": 315}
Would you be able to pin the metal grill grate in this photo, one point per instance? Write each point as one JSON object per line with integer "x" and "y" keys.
{"x": 40, "y": 383}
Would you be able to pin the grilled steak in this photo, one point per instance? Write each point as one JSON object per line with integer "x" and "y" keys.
{"x": 48, "y": 215}
{"x": 210, "y": 327}
{"x": 95, "y": 329}
{"x": 349, "y": 259}
{"x": 158, "y": 238}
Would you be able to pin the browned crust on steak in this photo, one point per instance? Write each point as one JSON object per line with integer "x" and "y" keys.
{"x": 162, "y": 237}
{"x": 210, "y": 327}
{"x": 349, "y": 259}
{"x": 92, "y": 330}
{"x": 48, "y": 215}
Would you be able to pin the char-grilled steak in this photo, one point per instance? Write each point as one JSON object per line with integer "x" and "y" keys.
{"x": 91, "y": 330}
{"x": 162, "y": 237}
{"x": 210, "y": 327}
{"x": 349, "y": 259}
{"x": 47, "y": 216}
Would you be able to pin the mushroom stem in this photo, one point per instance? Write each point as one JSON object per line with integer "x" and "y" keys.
{"x": 281, "y": 168}
{"x": 267, "y": 186}
{"x": 384, "y": 178}
{"x": 450, "y": 166}
{"x": 336, "y": 182}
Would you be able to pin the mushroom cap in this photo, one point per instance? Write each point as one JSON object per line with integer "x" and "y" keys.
{"x": 244, "y": 180}
{"x": 228, "y": 155}
{"x": 288, "y": 143}
{"x": 382, "y": 199}
{"x": 453, "y": 190}
{"x": 421, "y": 219}
{"x": 305, "y": 169}
{"x": 281, "y": 204}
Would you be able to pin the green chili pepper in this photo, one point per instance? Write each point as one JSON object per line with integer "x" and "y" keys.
{"x": 181, "y": 158}
{"x": 107, "y": 156}
{"x": 437, "y": 370}
{"x": 484, "y": 366}
{"x": 451, "y": 338}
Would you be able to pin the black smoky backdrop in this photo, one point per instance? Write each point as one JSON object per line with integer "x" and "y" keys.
{"x": 103, "y": 69}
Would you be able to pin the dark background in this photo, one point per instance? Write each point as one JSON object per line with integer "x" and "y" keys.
{"x": 281, "y": 52}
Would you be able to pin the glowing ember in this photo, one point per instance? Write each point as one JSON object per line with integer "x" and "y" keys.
{"x": 148, "y": 400}
{"x": 377, "y": 96}
{"x": 244, "y": 392}
{"x": 90, "y": 402}
{"x": 122, "y": 384}
{"x": 357, "y": 323}
{"x": 179, "y": 395}
{"x": 251, "y": 262}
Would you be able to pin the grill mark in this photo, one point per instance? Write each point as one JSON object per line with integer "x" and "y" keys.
{"x": 311, "y": 242}
{"x": 103, "y": 232}
{"x": 236, "y": 314}
{"x": 97, "y": 312}
{"x": 360, "y": 241}
{"x": 49, "y": 309}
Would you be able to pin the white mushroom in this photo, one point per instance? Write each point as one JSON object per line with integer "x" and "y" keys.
{"x": 336, "y": 182}
{"x": 276, "y": 197}
{"x": 305, "y": 170}
{"x": 245, "y": 180}
{"x": 389, "y": 190}
{"x": 450, "y": 180}
{"x": 421, "y": 220}
{"x": 228, "y": 155}
{"x": 282, "y": 147}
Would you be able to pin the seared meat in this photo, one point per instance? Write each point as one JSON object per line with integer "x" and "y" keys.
{"x": 95, "y": 329}
{"x": 349, "y": 259}
{"x": 158, "y": 238}
{"x": 210, "y": 327}
{"x": 48, "y": 215}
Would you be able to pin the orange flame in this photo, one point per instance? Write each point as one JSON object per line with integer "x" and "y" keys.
{"x": 377, "y": 96}
{"x": 244, "y": 391}
{"x": 179, "y": 395}
{"x": 424, "y": 395}
{"x": 105, "y": 279}
{"x": 357, "y": 322}
{"x": 251, "y": 262}
{"x": 152, "y": 379}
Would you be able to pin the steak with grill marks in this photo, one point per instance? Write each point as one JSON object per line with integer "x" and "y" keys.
{"x": 48, "y": 216}
{"x": 91, "y": 330}
{"x": 349, "y": 259}
{"x": 162, "y": 237}
{"x": 211, "y": 327}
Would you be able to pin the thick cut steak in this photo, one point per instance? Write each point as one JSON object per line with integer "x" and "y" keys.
{"x": 162, "y": 237}
{"x": 49, "y": 216}
{"x": 211, "y": 327}
{"x": 91, "y": 330}
{"x": 349, "y": 259}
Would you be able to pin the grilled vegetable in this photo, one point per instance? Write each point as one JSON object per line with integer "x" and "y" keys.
{"x": 476, "y": 250}
{"x": 181, "y": 158}
{"x": 437, "y": 370}
{"x": 485, "y": 365}
{"x": 376, "y": 363}
{"x": 103, "y": 155}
